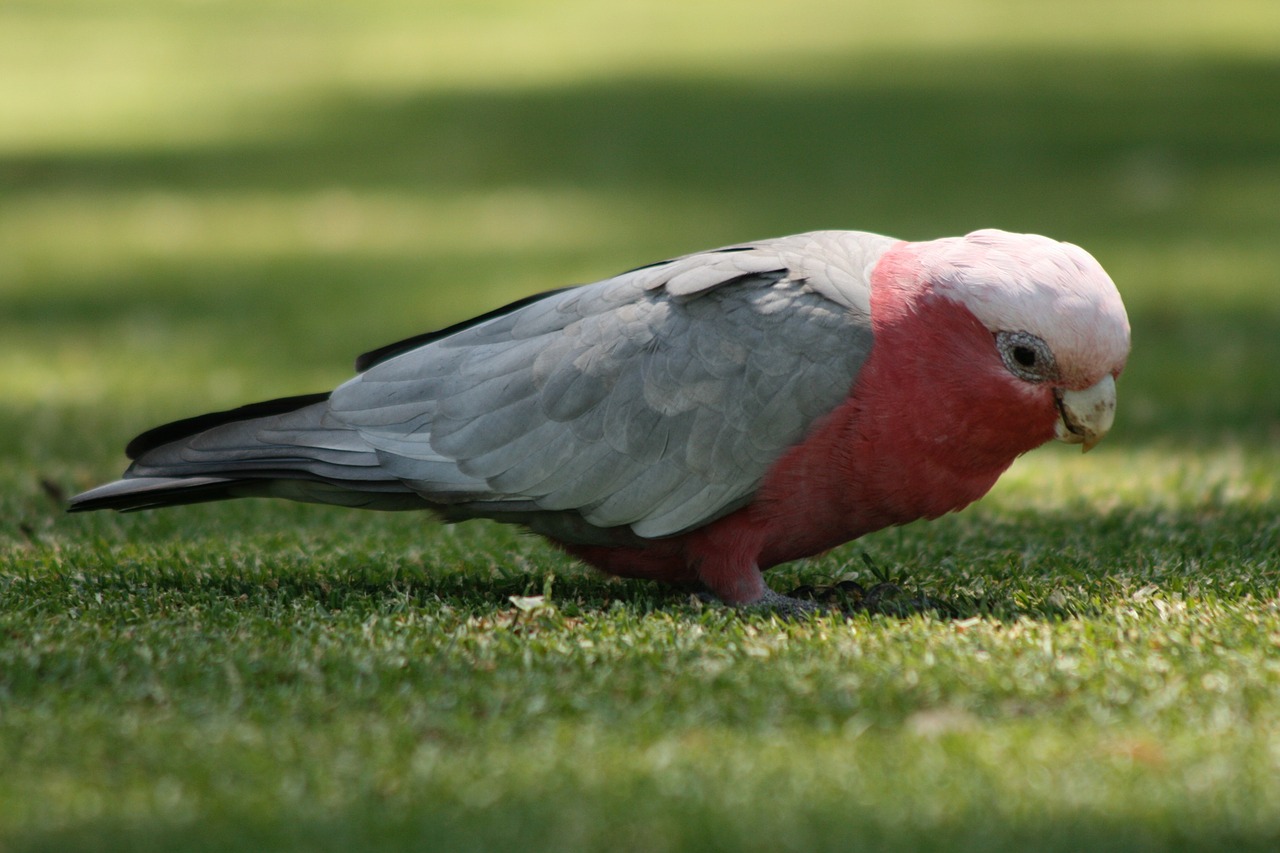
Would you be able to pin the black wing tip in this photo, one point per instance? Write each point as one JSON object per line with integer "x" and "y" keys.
{"x": 390, "y": 351}
{"x": 180, "y": 429}
{"x": 384, "y": 353}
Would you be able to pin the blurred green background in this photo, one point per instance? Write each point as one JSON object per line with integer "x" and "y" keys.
{"x": 206, "y": 202}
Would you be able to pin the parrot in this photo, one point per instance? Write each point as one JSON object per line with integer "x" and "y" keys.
{"x": 699, "y": 420}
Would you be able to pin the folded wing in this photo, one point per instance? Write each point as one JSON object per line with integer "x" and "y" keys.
{"x": 656, "y": 400}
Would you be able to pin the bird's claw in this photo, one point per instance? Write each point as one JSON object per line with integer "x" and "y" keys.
{"x": 788, "y": 606}
{"x": 884, "y": 598}
{"x": 846, "y": 597}
{"x": 775, "y": 604}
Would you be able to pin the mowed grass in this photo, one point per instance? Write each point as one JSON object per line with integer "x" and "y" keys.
{"x": 207, "y": 203}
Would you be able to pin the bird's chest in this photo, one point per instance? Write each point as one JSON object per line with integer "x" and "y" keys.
{"x": 895, "y": 451}
{"x": 829, "y": 491}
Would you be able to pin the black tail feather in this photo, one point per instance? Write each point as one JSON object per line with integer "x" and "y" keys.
{"x": 131, "y": 495}
{"x": 187, "y": 427}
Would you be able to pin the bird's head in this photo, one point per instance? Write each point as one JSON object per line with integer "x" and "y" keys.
{"x": 1057, "y": 332}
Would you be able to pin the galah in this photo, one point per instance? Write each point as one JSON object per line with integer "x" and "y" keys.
{"x": 701, "y": 419}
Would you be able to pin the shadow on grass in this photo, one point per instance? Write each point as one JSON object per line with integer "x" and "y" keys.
{"x": 1097, "y": 149}
{"x": 1080, "y": 144}
{"x": 1041, "y": 566}
{"x": 638, "y": 815}
{"x": 1103, "y": 150}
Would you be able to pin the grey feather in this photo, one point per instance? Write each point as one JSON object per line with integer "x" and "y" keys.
{"x": 656, "y": 399}
{"x": 637, "y": 407}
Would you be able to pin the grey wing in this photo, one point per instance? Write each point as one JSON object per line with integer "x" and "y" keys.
{"x": 656, "y": 400}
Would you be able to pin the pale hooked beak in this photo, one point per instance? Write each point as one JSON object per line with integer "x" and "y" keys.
{"x": 1084, "y": 417}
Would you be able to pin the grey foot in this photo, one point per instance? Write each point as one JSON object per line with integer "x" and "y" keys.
{"x": 777, "y": 604}
{"x": 885, "y": 598}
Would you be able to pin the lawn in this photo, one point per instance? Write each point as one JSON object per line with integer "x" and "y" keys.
{"x": 207, "y": 203}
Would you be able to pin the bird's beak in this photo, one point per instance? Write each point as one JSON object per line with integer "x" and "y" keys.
{"x": 1084, "y": 417}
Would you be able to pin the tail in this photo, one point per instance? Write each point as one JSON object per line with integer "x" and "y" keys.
{"x": 287, "y": 448}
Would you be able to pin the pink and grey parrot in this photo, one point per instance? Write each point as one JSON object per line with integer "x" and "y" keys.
{"x": 701, "y": 419}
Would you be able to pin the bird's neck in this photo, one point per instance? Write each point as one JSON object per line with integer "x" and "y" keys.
{"x": 929, "y": 426}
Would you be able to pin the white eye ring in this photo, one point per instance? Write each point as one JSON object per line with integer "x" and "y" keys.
{"x": 1026, "y": 356}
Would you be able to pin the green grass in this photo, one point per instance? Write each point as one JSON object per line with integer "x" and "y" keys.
{"x": 207, "y": 203}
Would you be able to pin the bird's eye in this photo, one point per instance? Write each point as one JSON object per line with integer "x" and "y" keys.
{"x": 1026, "y": 356}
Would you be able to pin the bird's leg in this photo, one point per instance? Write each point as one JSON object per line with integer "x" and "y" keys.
{"x": 739, "y": 584}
